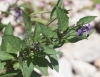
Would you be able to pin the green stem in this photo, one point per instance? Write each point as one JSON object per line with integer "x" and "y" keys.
{"x": 51, "y": 21}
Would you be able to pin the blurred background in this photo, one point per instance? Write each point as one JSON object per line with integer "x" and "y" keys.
{"x": 81, "y": 59}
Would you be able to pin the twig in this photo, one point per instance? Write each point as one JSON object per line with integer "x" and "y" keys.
{"x": 51, "y": 21}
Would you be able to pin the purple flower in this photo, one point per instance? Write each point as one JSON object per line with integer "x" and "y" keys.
{"x": 6, "y": 1}
{"x": 85, "y": 29}
{"x": 97, "y": 6}
{"x": 65, "y": 3}
{"x": 18, "y": 14}
{"x": 42, "y": 4}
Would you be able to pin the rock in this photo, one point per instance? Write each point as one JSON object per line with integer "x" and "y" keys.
{"x": 6, "y": 20}
{"x": 77, "y": 75}
{"x": 97, "y": 63}
{"x": 82, "y": 68}
{"x": 97, "y": 74}
{"x": 4, "y": 6}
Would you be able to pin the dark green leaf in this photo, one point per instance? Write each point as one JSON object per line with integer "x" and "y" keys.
{"x": 46, "y": 31}
{"x": 63, "y": 19}
{"x": 7, "y": 12}
{"x": 73, "y": 39}
{"x": 91, "y": 31}
{"x": 54, "y": 62}
{"x": 8, "y": 30}
{"x": 27, "y": 70}
{"x": 35, "y": 74}
{"x": 5, "y": 46}
{"x": 5, "y": 56}
{"x": 2, "y": 64}
{"x": 53, "y": 13}
{"x": 24, "y": 5}
{"x": 86, "y": 20}
{"x": 2, "y": 26}
{"x": 10, "y": 73}
{"x": 40, "y": 64}
{"x": 50, "y": 51}
{"x": 27, "y": 21}
{"x": 15, "y": 42}
{"x": 37, "y": 32}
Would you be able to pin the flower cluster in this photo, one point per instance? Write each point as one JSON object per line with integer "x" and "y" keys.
{"x": 85, "y": 29}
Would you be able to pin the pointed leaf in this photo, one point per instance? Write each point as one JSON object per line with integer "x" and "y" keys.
{"x": 15, "y": 42}
{"x": 46, "y": 31}
{"x": 86, "y": 20}
{"x": 53, "y": 13}
{"x": 5, "y": 56}
{"x": 4, "y": 45}
{"x": 2, "y": 64}
{"x": 8, "y": 30}
{"x": 27, "y": 70}
{"x": 2, "y": 26}
{"x": 54, "y": 62}
{"x": 37, "y": 32}
{"x": 62, "y": 19}
{"x": 50, "y": 51}
{"x": 27, "y": 21}
{"x": 40, "y": 64}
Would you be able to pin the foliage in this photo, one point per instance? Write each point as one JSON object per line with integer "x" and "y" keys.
{"x": 19, "y": 58}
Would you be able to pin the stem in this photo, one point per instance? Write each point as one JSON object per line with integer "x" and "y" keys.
{"x": 65, "y": 33}
{"x": 51, "y": 21}
{"x": 40, "y": 12}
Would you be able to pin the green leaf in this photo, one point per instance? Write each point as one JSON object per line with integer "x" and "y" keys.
{"x": 46, "y": 31}
{"x": 37, "y": 32}
{"x": 8, "y": 30}
{"x": 2, "y": 26}
{"x": 41, "y": 64}
{"x": 86, "y": 20}
{"x": 39, "y": 20}
{"x": 54, "y": 27}
{"x": 91, "y": 31}
{"x": 25, "y": 68}
{"x": 5, "y": 56}
{"x": 63, "y": 19}
{"x": 35, "y": 74}
{"x": 6, "y": 12}
{"x": 16, "y": 65}
{"x": 24, "y": 5}
{"x": 73, "y": 39}
{"x": 54, "y": 62}
{"x": 53, "y": 13}
{"x": 27, "y": 21}
{"x": 10, "y": 73}
{"x": 2, "y": 64}
{"x": 50, "y": 51}
{"x": 4, "y": 45}
{"x": 15, "y": 42}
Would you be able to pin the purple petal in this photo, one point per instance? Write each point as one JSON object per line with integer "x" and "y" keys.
{"x": 97, "y": 6}
{"x": 79, "y": 32}
{"x": 89, "y": 26}
{"x": 87, "y": 32}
